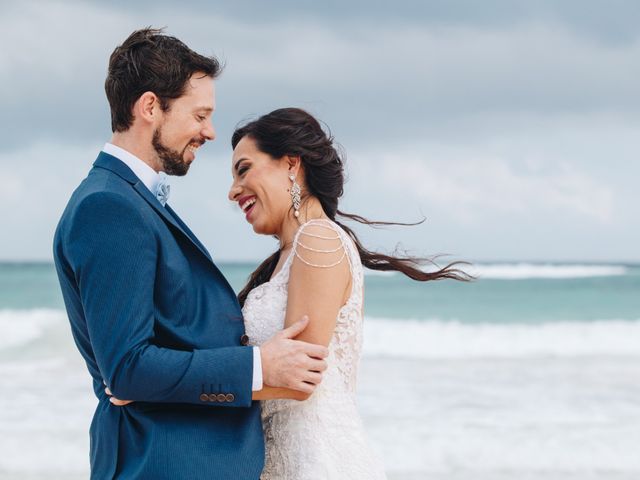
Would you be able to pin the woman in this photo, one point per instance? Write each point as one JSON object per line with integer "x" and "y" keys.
{"x": 287, "y": 179}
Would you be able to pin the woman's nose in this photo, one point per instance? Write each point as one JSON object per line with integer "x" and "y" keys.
{"x": 234, "y": 191}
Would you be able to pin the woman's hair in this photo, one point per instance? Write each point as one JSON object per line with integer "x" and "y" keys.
{"x": 294, "y": 132}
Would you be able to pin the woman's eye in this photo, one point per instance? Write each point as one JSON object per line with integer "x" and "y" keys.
{"x": 201, "y": 118}
{"x": 241, "y": 170}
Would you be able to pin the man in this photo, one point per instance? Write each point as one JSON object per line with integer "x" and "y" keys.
{"x": 150, "y": 312}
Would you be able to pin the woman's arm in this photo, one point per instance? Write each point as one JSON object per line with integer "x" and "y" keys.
{"x": 272, "y": 393}
{"x": 319, "y": 285}
{"x": 319, "y": 282}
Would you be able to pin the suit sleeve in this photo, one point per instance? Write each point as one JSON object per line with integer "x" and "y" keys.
{"x": 114, "y": 255}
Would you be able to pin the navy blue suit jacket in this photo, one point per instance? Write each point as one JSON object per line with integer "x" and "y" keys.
{"x": 153, "y": 317}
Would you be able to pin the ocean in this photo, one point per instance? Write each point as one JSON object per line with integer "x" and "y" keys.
{"x": 530, "y": 372}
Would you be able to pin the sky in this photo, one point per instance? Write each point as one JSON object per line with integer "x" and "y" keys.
{"x": 511, "y": 126}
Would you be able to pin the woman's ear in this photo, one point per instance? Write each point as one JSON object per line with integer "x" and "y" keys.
{"x": 294, "y": 165}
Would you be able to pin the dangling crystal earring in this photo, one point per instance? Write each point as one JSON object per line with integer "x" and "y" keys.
{"x": 295, "y": 195}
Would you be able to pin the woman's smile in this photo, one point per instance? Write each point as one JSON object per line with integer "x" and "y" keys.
{"x": 247, "y": 204}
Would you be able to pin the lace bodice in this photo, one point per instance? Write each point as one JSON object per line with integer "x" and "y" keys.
{"x": 266, "y": 305}
{"x": 321, "y": 437}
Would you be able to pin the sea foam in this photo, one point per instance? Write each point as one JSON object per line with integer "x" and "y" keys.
{"x": 439, "y": 339}
{"x": 517, "y": 271}
{"x": 526, "y": 270}
{"x": 20, "y": 327}
{"x": 424, "y": 339}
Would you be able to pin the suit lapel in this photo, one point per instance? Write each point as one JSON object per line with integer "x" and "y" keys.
{"x": 187, "y": 230}
{"x": 118, "y": 167}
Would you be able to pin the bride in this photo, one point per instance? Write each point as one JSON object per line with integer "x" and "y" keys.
{"x": 287, "y": 179}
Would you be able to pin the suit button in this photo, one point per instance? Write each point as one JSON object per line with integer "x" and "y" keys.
{"x": 230, "y": 397}
{"x": 213, "y": 397}
{"x": 222, "y": 397}
{"x": 204, "y": 397}
{"x": 244, "y": 340}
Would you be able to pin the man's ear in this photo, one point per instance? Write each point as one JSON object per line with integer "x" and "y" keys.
{"x": 147, "y": 107}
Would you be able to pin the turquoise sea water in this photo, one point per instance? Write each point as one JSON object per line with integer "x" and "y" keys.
{"x": 503, "y": 293}
{"x": 530, "y": 372}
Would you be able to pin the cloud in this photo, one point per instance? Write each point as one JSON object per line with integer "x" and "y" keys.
{"x": 515, "y": 192}
{"x": 361, "y": 79}
{"x": 574, "y": 168}
{"x": 611, "y": 22}
{"x": 466, "y": 184}
{"x": 52, "y": 70}
{"x": 37, "y": 182}
{"x": 516, "y": 121}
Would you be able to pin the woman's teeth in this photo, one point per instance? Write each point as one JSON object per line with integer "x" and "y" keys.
{"x": 248, "y": 204}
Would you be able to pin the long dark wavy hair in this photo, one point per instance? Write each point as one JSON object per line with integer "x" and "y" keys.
{"x": 296, "y": 133}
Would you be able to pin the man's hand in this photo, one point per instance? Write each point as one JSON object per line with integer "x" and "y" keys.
{"x": 116, "y": 401}
{"x": 293, "y": 364}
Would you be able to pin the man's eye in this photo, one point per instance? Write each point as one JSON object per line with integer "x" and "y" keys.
{"x": 201, "y": 118}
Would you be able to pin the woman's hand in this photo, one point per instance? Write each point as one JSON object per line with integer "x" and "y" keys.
{"x": 116, "y": 401}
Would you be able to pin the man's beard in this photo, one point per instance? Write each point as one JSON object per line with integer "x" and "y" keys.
{"x": 173, "y": 162}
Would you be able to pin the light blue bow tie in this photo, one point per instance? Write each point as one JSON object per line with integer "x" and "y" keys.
{"x": 162, "y": 189}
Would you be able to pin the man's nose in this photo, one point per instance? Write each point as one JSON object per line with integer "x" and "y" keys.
{"x": 209, "y": 132}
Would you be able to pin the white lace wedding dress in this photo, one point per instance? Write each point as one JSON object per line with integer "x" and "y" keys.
{"x": 322, "y": 437}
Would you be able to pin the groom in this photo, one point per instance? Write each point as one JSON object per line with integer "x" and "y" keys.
{"x": 150, "y": 312}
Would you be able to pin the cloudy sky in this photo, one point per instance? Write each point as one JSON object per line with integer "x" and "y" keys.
{"x": 512, "y": 126}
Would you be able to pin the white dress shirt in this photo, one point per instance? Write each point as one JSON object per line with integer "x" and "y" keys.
{"x": 150, "y": 178}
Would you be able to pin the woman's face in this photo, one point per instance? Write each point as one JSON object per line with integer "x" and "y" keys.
{"x": 260, "y": 186}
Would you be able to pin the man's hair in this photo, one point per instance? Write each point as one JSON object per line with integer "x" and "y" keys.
{"x": 149, "y": 61}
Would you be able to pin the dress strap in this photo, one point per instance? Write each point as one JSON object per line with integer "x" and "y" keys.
{"x": 318, "y": 243}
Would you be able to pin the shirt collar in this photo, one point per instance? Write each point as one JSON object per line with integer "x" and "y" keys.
{"x": 147, "y": 175}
